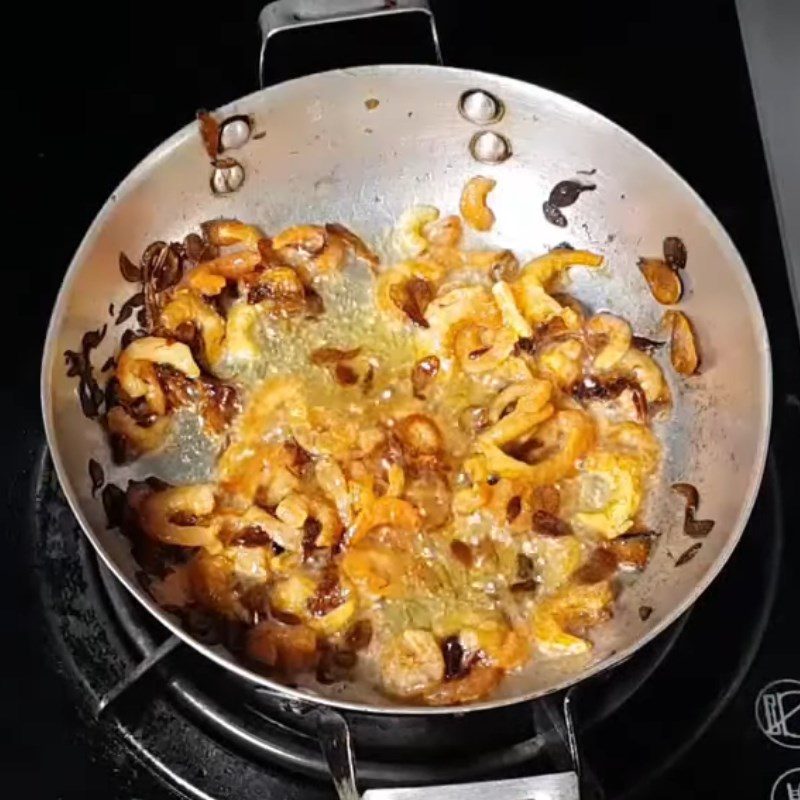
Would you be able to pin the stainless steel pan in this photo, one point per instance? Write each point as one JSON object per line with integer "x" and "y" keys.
{"x": 327, "y": 156}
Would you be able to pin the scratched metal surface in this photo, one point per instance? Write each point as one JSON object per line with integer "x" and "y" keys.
{"x": 325, "y": 157}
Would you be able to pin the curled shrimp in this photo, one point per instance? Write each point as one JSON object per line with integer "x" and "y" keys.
{"x": 310, "y": 239}
{"x": 615, "y": 336}
{"x": 223, "y": 232}
{"x": 278, "y": 289}
{"x": 537, "y": 391}
{"x": 460, "y": 303}
{"x": 544, "y": 268}
{"x": 186, "y": 307}
{"x": 137, "y": 376}
{"x": 409, "y": 232}
{"x": 211, "y": 277}
{"x": 474, "y": 207}
{"x": 287, "y": 536}
{"x": 296, "y": 594}
{"x": 391, "y": 511}
{"x": 530, "y": 288}
{"x": 248, "y": 461}
{"x": 522, "y": 420}
{"x": 531, "y": 409}
{"x": 645, "y": 372}
{"x": 311, "y": 249}
{"x": 159, "y": 511}
{"x": 576, "y": 433}
{"x": 479, "y": 348}
{"x": 444, "y": 232}
{"x": 378, "y": 571}
{"x": 537, "y": 305}
{"x": 411, "y": 663}
{"x": 479, "y": 682}
{"x": 561, "y": 362}
{"x": 391, "y": 282}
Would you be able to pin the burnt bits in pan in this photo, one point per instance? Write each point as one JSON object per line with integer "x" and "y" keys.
{"x": 692, "y": 527}
{"x": 563, "y": 195}
{"x": 79, "y": 365}
{"x": 688, "y": 555}
{"x": 96, "y": 475}
{"x": 127, "y": 308}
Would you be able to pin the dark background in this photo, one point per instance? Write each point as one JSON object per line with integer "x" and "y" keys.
{"x": 93, "y": 91}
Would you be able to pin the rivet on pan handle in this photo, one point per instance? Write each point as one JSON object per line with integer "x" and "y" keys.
{"x": 284, "y": 15}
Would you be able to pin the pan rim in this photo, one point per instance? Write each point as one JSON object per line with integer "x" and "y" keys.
{"x": 162, "y": 151}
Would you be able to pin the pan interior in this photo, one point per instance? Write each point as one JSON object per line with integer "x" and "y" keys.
{"x": 328, "y": 155}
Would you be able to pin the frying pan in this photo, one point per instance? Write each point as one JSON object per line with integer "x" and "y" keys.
{"x": 328, "y": 155}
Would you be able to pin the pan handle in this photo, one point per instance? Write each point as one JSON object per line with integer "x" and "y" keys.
{"x": 334, "y": 739}
{"x": 337, "y": 747}
{"x": 284, "y": 15}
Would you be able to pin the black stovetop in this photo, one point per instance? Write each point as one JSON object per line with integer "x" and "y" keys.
{"x": 120, "y": 80}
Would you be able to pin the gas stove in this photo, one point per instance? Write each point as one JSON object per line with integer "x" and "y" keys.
{"x": 100, "y": 702}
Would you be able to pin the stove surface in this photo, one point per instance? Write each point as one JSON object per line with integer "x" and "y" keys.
{"x": 706, "y": 711}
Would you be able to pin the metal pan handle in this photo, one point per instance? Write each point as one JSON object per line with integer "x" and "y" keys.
{"x": 284, "y": 15}
{"x": 558, "y": 786}
{"x": 334, "y": 739}
{"x": 337, "y": 747}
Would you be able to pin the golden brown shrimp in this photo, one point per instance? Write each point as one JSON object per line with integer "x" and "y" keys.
{"x": 211, "y": 277}
{"x": 479, "y": 348}
{"x": 224, "y": 232}
{"x": 162, "y": 512}
{"x": 532, "y": 408}
{"x": 411, "y": 663}
{"x": 561, "y": 362}
{"x": 187, "y": 307}
{"x": 615, "y": 336}
{"x": 391, "y": 511}
{"x": 646, "y": 373}
{"x": 311, "y": 249}
{"x": 409, "y": 232}
{"x": 136, "y": 374}
{"x": 530, "y": 289}
{"x": 473, "y": 206}
{"x": 576, "y": 430}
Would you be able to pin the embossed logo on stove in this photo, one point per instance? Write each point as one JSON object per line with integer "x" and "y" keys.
{"x": 787, "y": 786}
{"x": 778, "y": 713}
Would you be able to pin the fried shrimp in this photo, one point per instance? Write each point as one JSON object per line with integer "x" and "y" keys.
{"x": 421, "y": 473}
